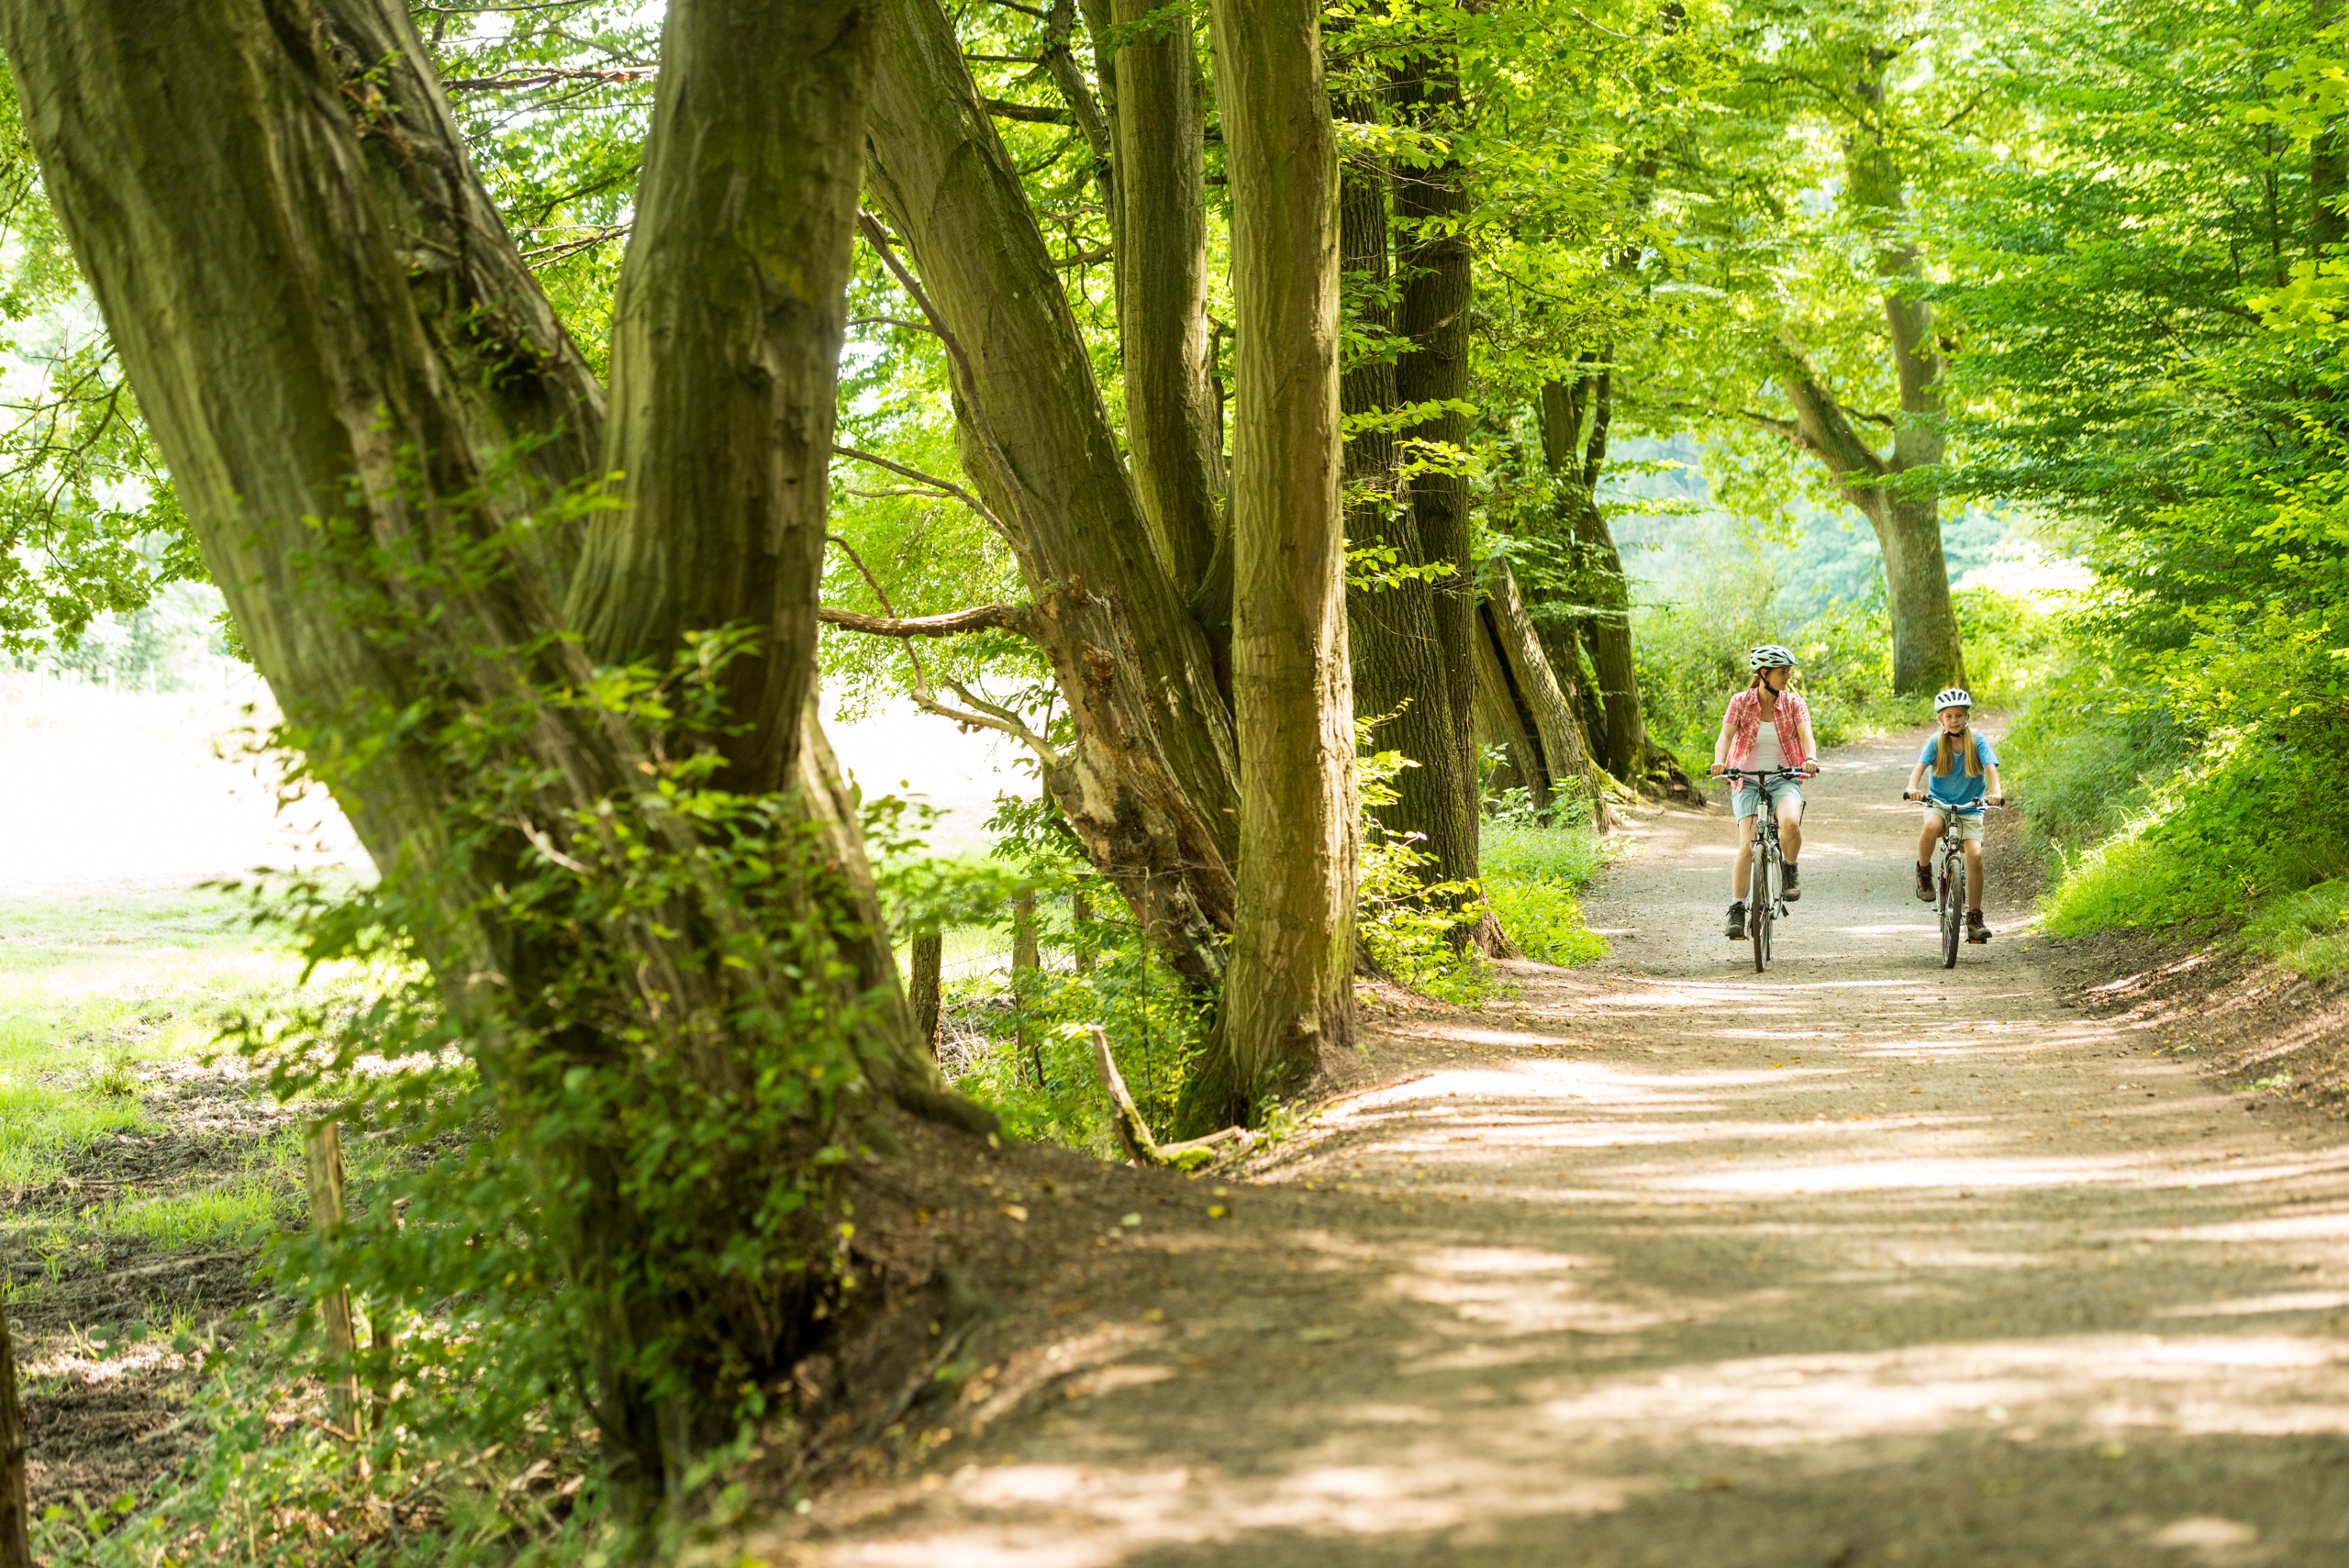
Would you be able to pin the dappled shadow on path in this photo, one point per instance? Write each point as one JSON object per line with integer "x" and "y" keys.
{"x": 1860, "y": 1262}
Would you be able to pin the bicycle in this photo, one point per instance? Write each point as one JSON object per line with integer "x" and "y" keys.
{"x": 1762, "y": 903}
{"x": 1949, "y": 887}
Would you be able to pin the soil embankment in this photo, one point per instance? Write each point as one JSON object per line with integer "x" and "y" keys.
{"x": 1861, "y": 1262}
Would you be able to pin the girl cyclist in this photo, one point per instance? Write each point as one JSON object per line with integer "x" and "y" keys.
{"x": 1965, "y": 772}
{"x": 1765, "y": 728}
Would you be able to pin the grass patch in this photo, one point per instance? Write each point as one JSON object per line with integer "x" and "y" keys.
{"x": 1533, "y": 879}
{"x": 41, "y": 1124}
{"x": 241, "y": 1211}
{"x": 2305, "y": 932}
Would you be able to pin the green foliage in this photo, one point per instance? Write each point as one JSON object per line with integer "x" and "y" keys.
{"x": 2306, "y": 932}
{"x": 1532, "y": 873}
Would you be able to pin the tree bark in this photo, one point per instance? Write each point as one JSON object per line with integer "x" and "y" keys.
{"x": 1502, "y": 720}
{"x": 16, "y": 1490}
{"x": 727, "y": 325}
{"x": 2327, "y": 161}
{"x": 1174, "y": 426}
{"x": 1151, "y": 784}
{"x": 333, "y": 340}
{"x": 928, "y": 989}
{"x": 1289, "y": 994}
{"x": 1438, "y": 290}
{"x": 1401, "y": 675}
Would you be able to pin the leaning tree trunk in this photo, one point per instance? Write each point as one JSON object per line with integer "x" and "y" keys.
{"x": 1149, "y": 783}
{"x": 1577, "y": 460}
{"x": 334, "y": 412}
{"x": 1288, "y": 995}
{"x": 1401, "y": 678}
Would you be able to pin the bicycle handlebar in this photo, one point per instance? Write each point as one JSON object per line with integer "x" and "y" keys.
{"x": 1761, "y": 774}
{"x": 1987, "y": 803}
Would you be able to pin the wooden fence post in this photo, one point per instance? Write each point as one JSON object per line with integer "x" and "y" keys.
{"x": 929, "y": 988}
{"x": 1025, "y": 963}
{"x": 15, "y": 1491}
{"x": 1080, "y": 915}
{"x": 322, "y": 1171}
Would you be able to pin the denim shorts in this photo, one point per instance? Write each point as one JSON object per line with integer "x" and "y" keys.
{"x": 1745, "y": 800}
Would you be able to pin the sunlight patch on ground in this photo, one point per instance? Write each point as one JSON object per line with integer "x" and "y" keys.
{"x": 2259, "y": 1305}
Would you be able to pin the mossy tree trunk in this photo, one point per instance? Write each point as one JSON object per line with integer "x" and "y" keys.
{"x": 1288, "y": 994}
{"x": 332, "y": 337}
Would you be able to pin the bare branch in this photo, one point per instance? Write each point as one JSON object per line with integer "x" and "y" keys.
{"x": 957, "y": 623}
{"x": 1003, "y": 109}
{"x": 550, "y": 77}
{"x": 944, "y": 486}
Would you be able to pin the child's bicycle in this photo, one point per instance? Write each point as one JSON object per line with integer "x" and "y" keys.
{"x": 1949, "y": 886}
{"x": 1762, "y": 903}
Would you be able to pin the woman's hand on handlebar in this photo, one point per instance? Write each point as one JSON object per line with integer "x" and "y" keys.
{"x": 1810, "y": 770}
{"x": 1718, "y": 769}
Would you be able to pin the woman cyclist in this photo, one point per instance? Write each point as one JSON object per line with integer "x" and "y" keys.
{"x": 1766, "y": 726}
{"x": 1965, "y": 772}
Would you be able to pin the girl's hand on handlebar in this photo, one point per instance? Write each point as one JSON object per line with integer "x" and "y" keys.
{"x": 1717, "y": 769}
{"x": 1810, "y": 770}
{"x": 1911, "y": 795}
{"x": 1997, "y": 800}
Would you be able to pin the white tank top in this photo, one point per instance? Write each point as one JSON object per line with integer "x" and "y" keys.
{"x": 1766, "y": 754}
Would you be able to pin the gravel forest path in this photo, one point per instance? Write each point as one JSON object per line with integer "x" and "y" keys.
{"x": 1663, "y": 1263}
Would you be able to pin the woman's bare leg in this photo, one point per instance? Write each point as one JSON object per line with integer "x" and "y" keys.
{"x": 1746, "y": 827}
{"x": 1790, "y": 832}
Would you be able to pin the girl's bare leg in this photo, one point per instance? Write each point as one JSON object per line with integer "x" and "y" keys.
{"x": 1927, "y": 838}
{"x": 1790, "y": 833}
{"x": 1974, "y": 875}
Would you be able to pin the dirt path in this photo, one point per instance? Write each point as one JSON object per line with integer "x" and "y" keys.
{"x": 1863, "y": 1262}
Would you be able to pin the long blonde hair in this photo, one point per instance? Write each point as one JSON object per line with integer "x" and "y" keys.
{"x": 1946, "y": 760}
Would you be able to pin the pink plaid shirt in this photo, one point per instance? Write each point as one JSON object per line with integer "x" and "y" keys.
{"x": 1746, "y": 718}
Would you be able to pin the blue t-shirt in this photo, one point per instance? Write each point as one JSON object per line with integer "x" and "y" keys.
{"x": 1957, "y": 787}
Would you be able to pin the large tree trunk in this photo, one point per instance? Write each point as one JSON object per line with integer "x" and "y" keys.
{"x": 1401, "y": 675}
{"x": 1150, "y": 784}
{"x": 1289, "y": 994}
{"x": 334, "y": 411}
{"x": 1174, "y": 426}
{"x": 1432, "y": 312}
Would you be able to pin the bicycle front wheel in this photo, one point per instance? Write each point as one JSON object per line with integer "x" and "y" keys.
{"x": 1758, "y": 908}
{"x": 1953, "y": 915}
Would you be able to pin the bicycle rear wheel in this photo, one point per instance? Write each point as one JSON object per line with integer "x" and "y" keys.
{"x": 1758, "y": 905}
{"x": 1953, "y": 913}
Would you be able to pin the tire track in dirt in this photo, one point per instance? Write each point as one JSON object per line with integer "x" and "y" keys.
{"x": 1861, "y": 1262}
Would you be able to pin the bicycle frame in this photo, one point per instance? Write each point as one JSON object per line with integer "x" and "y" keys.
{"x": 1763, "y": 903}
{"x": 1949, "y": 889}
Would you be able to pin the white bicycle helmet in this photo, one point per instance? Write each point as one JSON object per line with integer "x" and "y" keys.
{"x": 1952, "y": 697}
{"x": 1770, "y": 656}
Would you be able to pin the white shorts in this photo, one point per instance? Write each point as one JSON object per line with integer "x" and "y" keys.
{"x": 1968, "y": 824}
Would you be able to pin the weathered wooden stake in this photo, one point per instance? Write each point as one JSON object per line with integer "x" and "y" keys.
{"x": 929, "y": 988}
{"x": 322, "y": 1171}
{"x": 1026, "y": 960}
{"x": 1080, "y": 914}
{"x": 15, "y": 1491}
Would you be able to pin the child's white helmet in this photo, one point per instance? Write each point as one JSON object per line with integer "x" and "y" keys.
{"x": 1952, "y": 697}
